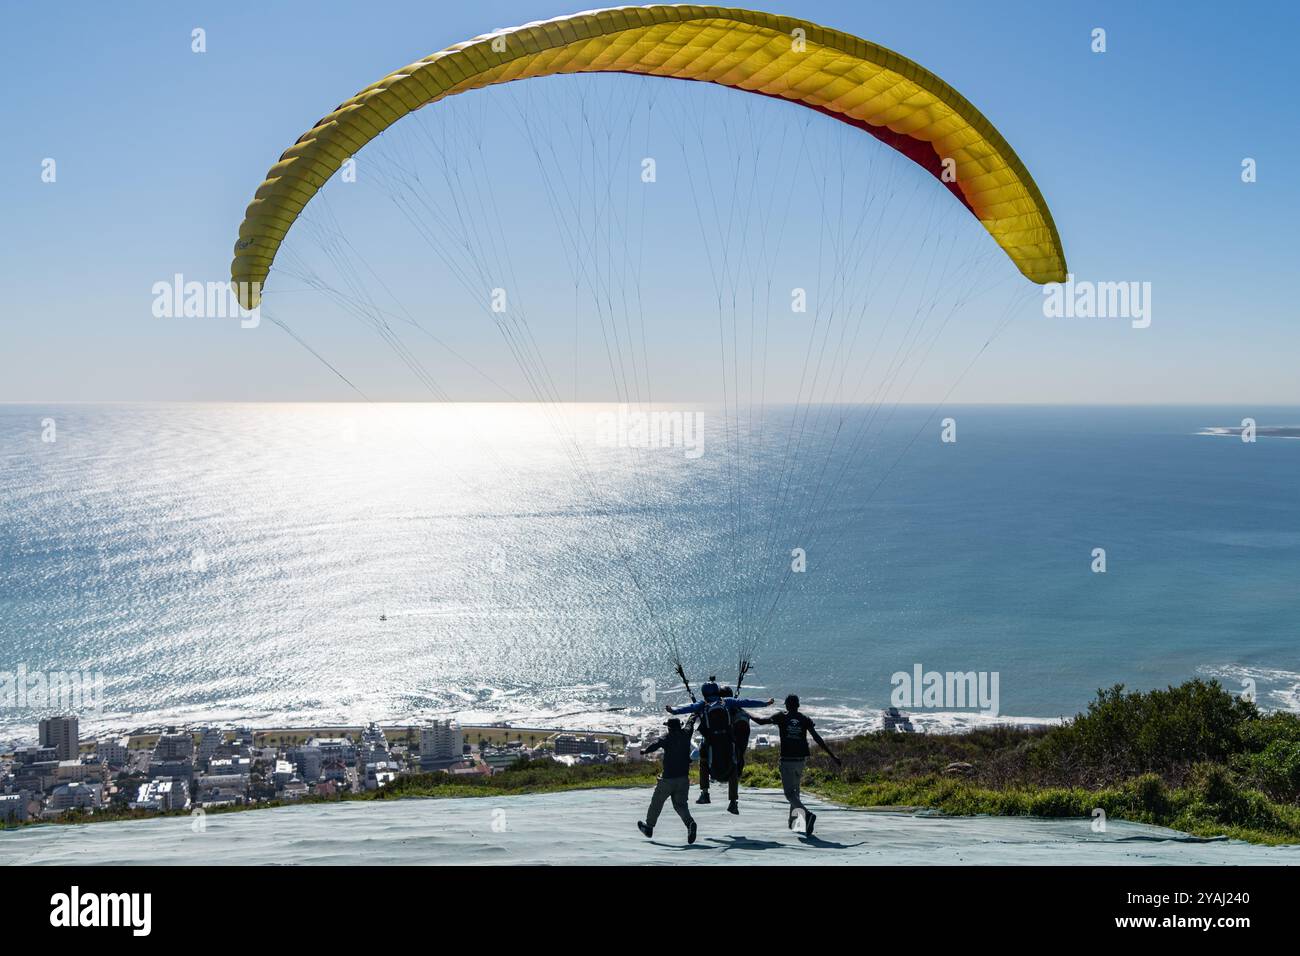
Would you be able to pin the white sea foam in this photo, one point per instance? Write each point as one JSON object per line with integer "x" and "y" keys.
{"x": 1275, "y": 689}
{"x": 1261, "y": 431}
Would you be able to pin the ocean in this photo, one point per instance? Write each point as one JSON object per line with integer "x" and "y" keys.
{"x": 287, "y": 564}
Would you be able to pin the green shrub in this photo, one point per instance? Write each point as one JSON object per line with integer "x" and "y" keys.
{"x": 1059, "y": 803}
{"x": 1125, "y": 734}
{"x": 1150, "y": 795}
{"x": 1281, "y": 725}
{"x": 1276, "y": 770}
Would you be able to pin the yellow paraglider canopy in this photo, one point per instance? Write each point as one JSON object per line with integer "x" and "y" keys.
{"x": 846, "y": 77}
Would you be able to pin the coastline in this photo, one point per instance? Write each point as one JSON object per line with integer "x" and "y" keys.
{"x": 629, "y": 727}
{"x": 1193, "y": 758}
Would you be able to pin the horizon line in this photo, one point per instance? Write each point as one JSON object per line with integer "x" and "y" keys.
{"x": 1243, "y": 403}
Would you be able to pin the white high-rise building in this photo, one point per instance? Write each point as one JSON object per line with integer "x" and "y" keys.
{"x": 441, "y": 745}
{"x": 61, "y": 734}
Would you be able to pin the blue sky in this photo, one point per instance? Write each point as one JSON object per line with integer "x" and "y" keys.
{"x": 1137, "y": 150}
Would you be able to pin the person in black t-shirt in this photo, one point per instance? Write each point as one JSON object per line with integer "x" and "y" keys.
{"x": 795, "y": 729}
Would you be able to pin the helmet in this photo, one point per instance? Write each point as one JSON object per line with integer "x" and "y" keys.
{"x": 709, "y": 689}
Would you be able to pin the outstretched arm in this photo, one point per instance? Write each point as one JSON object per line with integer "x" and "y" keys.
{"x": 678, "y": 711}
{"x": 659, "y": 742}
{"x": 763, "y": 720}
{"x": 747, "y": 702}
{"x": 821, "y": 743}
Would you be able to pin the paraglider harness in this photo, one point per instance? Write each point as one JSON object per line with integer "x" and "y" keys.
{"x": 715, "y": 728}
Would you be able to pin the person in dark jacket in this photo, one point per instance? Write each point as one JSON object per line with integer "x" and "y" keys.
{"x": 674, "y": 780}
{"x": 711, "y": 695}
{"x": 795, "y": 729}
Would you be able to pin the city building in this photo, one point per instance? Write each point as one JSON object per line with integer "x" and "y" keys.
{"x": 74, "y": 771}
{"x": 174, "y": 746}
{"x": 211, "y": 741}
{"x": 34, "y": 768}
{"x": 373, "y": 747}
{"x": 87, "y": 796}
{"x": 13, "y": 807}
{"x": 295, "y": 789}
{"x": 309, "y": 761}
{"x": 334, "y": 748}
{"x": 282, "y": 773}
{"x": 172, "y": 757}
{"x": 380, "y": 774}
{"x": 171, "y": 769}
{"x": 472, "y": 770}
{"x": 335, "y": 770}
{"x": 115, "y": 752}
{"x": 572, "y": 745}
{"x": 162, "y": 795}
{"x": 221, "y": 791}
{"x": 236, "y": 748}
{"x": 501, "y": 758}
{"x": 24, "y": 756}
{"x": 374, "y": 736}
{"x": 441, "y": 745}
{"x": 61, "y": 734}
{"x": 230, "y": 766}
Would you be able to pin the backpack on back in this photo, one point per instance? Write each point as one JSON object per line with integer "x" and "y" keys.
{"x": 715, "y": 727}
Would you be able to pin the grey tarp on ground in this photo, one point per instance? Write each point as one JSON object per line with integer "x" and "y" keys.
{"x": 599, "y": 827}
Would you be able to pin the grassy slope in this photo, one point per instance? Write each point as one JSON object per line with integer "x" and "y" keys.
{"x": 1143, "y": 800}
{"x": 1191, "y": 757}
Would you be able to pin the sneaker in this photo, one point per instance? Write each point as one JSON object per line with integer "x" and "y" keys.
{"x": 732, "y": 807}
{"x": 690, "y": 833}
{"x": 703, "y": 797}
{"x": 648, "y": 831}
{"x": 810, "y": 818}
